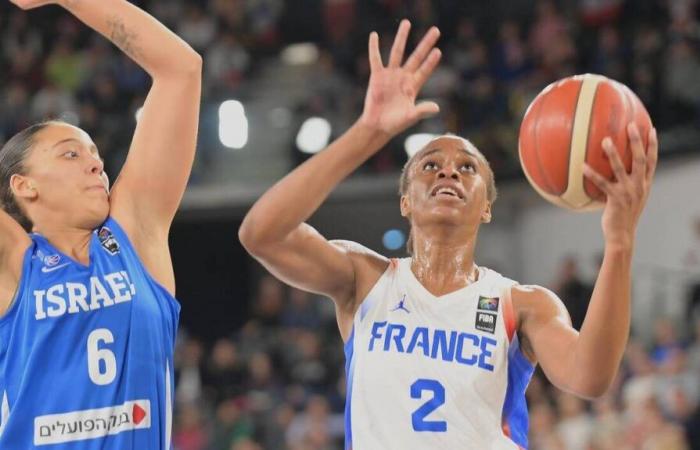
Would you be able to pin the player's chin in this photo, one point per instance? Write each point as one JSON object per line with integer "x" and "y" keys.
{"x": 97, "y": 211}
{"x": 451, "y": 214}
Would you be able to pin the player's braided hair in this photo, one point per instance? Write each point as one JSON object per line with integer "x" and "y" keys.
{"x": 12, "y": 157}
{"x": 404, "y": 181}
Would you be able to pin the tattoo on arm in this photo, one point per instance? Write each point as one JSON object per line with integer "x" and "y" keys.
{"x": 122, "y": 37}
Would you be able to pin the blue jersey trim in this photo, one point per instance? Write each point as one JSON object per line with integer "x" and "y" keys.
{"x": 349, "y": 370}
{"x": 515, "y": 414}
{"x": 24, "y": 276}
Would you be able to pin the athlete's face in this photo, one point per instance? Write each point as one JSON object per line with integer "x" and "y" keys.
{"x": 64, "y": 173}
{"x": 448, "y": 182}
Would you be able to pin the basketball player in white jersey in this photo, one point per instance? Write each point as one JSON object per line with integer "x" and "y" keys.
{"x": 439, "y": 350}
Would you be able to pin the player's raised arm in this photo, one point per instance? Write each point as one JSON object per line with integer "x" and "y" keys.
{"x": 585, "y": 363}
{"x": 152, "y": 182}
{"x": 274, "y": 231}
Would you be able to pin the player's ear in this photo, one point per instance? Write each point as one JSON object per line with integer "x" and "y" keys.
{"x": 23, "y": 187}
{"x": 486, "y": 213}
{"x": 405, "y": 205}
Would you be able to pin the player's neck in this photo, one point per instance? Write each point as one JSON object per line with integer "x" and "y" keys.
{"x": 443, "y": 266}
{"x": 72, "y": 242}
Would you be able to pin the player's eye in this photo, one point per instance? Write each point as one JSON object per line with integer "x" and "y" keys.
{"x": 468, "y": 167}
{"x": 430, "y": 165}
{"x": 71, "y": 154}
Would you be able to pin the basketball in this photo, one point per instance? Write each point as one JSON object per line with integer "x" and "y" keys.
{"x": 564, "y": 127}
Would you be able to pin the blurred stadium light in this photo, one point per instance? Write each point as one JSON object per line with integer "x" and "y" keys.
{"x": 233, "y": 124}
{"x": 313, "y": 135}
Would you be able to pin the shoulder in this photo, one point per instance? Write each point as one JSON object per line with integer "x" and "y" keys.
{"x": 536, "y": 307}
{"x": 531, "y": 299}
{"x": 362, "y": 255}
{"x": 368, "y": 266}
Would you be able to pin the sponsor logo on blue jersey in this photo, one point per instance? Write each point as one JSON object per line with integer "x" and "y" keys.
{"x": 108, "y": 241}
{"x": 52, "y": 260}
{"x": 450, "y": 346}
{"x": 92, "y": 423}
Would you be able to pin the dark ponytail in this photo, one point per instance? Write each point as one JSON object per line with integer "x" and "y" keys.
{"x": 12, "y": 157}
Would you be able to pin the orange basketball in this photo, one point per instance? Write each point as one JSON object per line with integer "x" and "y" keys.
{"x": 565, "y": 126}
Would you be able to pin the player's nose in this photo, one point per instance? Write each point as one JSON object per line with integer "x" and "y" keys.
{"x": 448, "y": 171}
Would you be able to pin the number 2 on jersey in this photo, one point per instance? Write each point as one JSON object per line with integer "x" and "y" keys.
{"x": 104, "y": 373}
{"x": 438, "y": 399}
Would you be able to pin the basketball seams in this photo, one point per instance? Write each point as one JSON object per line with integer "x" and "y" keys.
{"x": 576, "y": 195}
{"x": 535, "y": 138}
{"x": 571, "y": 136}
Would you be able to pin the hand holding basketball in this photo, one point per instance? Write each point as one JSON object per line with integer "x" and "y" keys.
{"x": 390, "y": 104}
{"x": 627, "y": 194}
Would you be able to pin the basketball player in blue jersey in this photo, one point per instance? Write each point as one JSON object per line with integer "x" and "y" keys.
{"x": 439, "y": 351}
{"x": 87, "y": 313}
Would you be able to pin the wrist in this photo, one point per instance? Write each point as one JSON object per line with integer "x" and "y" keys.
{"x": 623, "y": 246}
{"x": 369, "y": 132}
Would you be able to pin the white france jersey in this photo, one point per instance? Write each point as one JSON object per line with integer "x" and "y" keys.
{"x": 435, "y": 372}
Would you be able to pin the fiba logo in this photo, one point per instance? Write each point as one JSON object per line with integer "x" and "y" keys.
{"x": 485, "y": 322}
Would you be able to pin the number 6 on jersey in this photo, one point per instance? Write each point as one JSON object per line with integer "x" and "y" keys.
{"x": 95, "y": 354}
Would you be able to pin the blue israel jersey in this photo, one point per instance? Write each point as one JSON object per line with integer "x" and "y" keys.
{"x": 86, "y": 352}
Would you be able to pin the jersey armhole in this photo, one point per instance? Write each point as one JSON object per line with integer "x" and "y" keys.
{"x": 371, "y": 298}
{"x": 117, "y": 229}
{"x": 24, "y": 275}
{"x": 509, "y": 314}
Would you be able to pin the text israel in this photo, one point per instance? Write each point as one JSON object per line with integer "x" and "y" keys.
{"x": 73, "y": 297}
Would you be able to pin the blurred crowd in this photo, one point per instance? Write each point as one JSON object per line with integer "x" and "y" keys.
{"x": 495, "y": 60}
{"x": 276, "y": 383}
{"x": 279, "y": 383}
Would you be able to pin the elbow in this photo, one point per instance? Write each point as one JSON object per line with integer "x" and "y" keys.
{"x": 250, "y": 238}
{"x": 183, "y": 66}
{"x": 192, "y": 64}
{"x": 592, "y": 389}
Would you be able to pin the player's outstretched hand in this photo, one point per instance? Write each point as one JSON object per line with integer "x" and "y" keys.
{"x": 627, "y": 193}
{"x": 390, "y": 104}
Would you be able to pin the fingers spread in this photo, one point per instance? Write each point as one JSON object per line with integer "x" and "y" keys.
{"x": 637, "y": 146}
{"x": 422, "y": 50}
{"x": 399, "y": 46}
{"x": 426, "y": 109}
{"x": 614, "y": 158}
{"x": 426, "y": 69}
{"x": 596, "y": 178}
{"x": 652, "y": 154}
{"x": 375, "y": 58}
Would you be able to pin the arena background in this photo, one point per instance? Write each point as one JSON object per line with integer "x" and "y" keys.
{"x": 261, "y": 365}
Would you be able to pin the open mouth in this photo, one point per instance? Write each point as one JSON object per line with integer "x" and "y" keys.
{"x": 446, "y": 191}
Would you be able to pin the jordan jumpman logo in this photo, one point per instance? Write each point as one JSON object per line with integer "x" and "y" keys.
{"x": 401, "y": 305}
